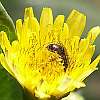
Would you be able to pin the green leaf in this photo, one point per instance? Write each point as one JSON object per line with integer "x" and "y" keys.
{"x": 9, "y": 88}
{"x": 6, "y": 24}
{"x": 5, "y": 19}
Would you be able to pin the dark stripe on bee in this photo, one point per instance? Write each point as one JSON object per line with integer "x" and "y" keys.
{"x": 57, "y": 48}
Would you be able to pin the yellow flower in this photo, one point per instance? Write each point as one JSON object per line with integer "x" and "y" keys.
{"x": 50, "y": 58}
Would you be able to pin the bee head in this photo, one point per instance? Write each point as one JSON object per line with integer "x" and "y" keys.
{"x": 53, "y": 47}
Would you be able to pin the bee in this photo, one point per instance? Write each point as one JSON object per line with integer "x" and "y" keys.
{"x": 60, "y": 50}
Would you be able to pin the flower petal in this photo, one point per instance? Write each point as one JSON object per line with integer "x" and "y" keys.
{"x": 93, "y": 33}
{"x": 28, "y": 13}
{"x": 88, "y": 54}
{"x": 33, "y": 30}
{"x": 19, "y": 28}
{"x": 46, "y": 22}
{"x": 4, "y": 42}
{"x": 24, "y": 33}
{"x": 58, "y": 26}
{"x": 83, "y": 45}
{"x": 95, "y": 62}
{"x": 29, "y": 30}
{"x": 5, "y": 65}
{"x": 76, "y": 23}
{"x": 89, "y": 69}
{"x": 64, "y": 34}
{"x": 34, "y": 25}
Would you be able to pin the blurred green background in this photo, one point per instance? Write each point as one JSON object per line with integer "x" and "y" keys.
{"x": 9, "y": 88}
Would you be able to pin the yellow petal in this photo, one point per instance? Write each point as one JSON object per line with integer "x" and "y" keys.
{"x": 93, "y": 33}
{"x": 64, "y": 35}
{"x": 28, "y": 13}
{"x": 89, "y": 69}
{"x": 76, "y": 23}
{"x": 75, "y": 43}
{"x": 34, "y": 25}
{"x": 5, "y": 65}
{"x": 4, "y": 42}
{"x": 95, "y": 63}
{"x": 24, "y": 33}
{"x": 72, "y": 45}
{"x": 19, "y": 28}
{"x": 89, "y": 53}
{"x": 83, "y": 45}
{"x": 58, "y": 26}
{"x": 33, "y": 30}
{"x": 46, "y": 22}
{"x": 30, "y": 29}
